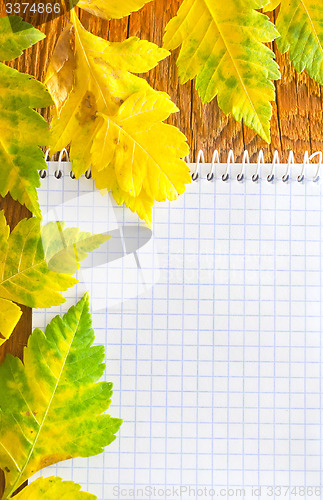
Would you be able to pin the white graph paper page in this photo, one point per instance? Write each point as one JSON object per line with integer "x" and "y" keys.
{"x": 212, "y": 327}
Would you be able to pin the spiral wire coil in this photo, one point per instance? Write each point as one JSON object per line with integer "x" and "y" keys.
{"x": 58, "y": 173}
{"x": 260, "y": 162}
{"x": 211, "y": 174}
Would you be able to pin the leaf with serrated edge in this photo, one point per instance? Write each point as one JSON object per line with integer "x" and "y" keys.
{"x": 113, "y": 120}
{"x": 111, "y": 9}
{"x": 143, "y": 151}
{"x": 22, "y": 130}
{"x": 51, "y": 405}
{"x": 222, "y": 44}
{"x": 66, "y": 248}
{"x": 142, "y": 204}
{"x": 15, "y": 36}
{"x": 35, "y": 265}
{"x": 103, "y": 80}
{"x": 300, "y": 24}
{"x": 53, "y": 488}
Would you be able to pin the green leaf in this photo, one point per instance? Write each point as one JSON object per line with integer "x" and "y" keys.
{"x": 53, "y": 488}
{"x": 15, "y": 36}
{"x": 300, "y": 23}
{"x": 51, "y": 405}
{"x": 36, "y": 263}
{"x": 222, "y": 44}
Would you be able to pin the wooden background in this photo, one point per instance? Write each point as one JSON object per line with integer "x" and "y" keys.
{"x": 296, "y": 123}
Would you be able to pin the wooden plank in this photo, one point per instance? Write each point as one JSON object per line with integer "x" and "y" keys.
{"x": 296, "y": 122}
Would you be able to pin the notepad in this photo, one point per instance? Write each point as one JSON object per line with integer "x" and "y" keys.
{"x": 212, "y": 324}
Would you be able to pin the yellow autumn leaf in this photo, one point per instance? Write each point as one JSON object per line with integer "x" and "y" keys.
{"x": 52, "y": 406}
{"x": 111, "y": 9}
{"x": 53, "y": 488}
{"x": 103, "y": 78}
{"x": 141, "y": 204}
{"x": 113, "y": 121}
{"x": 300, "y": 24}
{"x": 36, "y": 264}
{"x": 272, "y": 5}
{"x": 63, "y": 64}
{"x": 222, "y": 45}
{"x": 142, "y": 155}
{"x": 143, "y": 151}
{"x": 10, "y": 314}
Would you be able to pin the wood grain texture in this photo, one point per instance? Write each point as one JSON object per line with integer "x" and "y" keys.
{"x": 296, "y": 122}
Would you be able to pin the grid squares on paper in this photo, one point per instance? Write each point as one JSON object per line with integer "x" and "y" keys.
{"x": 213, "y": 339}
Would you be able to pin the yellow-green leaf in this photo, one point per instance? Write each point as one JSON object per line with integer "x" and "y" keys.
{"x": 113, "y": 121}
{"x": 111, "y": 9}
{"x": 53, "y": 488}
{"x": 15, "y": 36}
{"x": 51, "y": 405}
{"x": 65, "y": 248}
{"x": 22, "y": 130}
{"x": 300, "y": 24}
{"x": 222, "y": 44}
{"x": 35, "y": 265}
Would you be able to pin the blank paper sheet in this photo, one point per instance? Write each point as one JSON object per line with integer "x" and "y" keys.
{"x": 212, "y": 324}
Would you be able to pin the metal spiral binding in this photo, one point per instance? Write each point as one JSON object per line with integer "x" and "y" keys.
{"x": 59, "y": 171}
{"x": 260, "y": 163}
{"x": 211, "y": 174}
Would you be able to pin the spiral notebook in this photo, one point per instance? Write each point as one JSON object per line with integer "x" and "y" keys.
{"x": 212, "y": 323}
